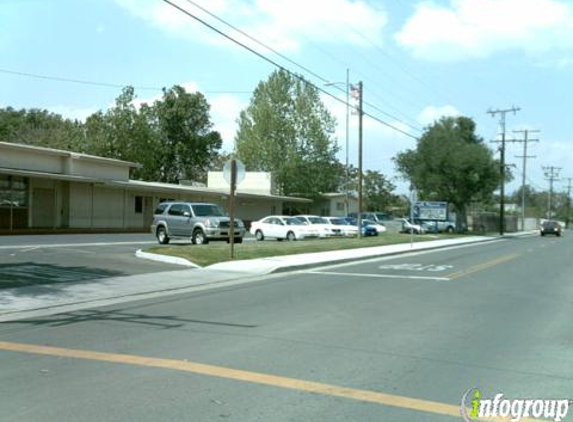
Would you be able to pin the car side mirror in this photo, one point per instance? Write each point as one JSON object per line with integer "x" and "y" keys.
{"x": 186, "y": 214}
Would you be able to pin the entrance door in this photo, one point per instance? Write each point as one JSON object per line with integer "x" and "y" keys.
{"x": 43, "y": 208}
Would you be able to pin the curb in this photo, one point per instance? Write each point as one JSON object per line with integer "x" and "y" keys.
{"x": 165, "y": 258}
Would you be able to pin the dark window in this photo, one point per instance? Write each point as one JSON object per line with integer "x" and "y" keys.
{"x": 208, "y": 210}
{"x": 176, "y": 209}
{"x": 160, "y": 208}
{"x": 138, "y": 204}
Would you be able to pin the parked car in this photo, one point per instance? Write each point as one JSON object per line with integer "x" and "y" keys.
{"x": 380, "y": 228}
{"x": 377, "y": 216}
{"x": 201, "y": 222}
{"x": 367, "y": 229}
{"x": 438, "y": 226}
{"x": 550, "y": 227}
{"x": 325, "y": 228}
{"x": 282, "y": 227}
{"x": 408, "y": 227}
{"x": 348, "y": 230}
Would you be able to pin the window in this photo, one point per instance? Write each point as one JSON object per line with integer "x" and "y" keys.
{"x": 160, "y": 208}
{"x": 340, "y": 206}
{"x": 138, "y": 204}
{"x": 176, "y": 209}
{"x": 13, "y": 191}
{"x": 208, "y": 210}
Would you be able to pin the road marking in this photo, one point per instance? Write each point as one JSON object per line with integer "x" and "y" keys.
{"x": 376, "y": 397}
{"x": 412, "y": 277}
{"x": 482, "y": 266}
{"x": 416, "y": 267}
{"x": 74, "y": 245}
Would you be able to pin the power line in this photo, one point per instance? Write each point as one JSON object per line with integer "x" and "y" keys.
{"x": 77, "y": 81}
{"x": 279, "y": 66}
{"x": 104, "y": 84}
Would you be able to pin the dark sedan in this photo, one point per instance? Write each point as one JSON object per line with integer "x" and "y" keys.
{"x": 550, "y": 227}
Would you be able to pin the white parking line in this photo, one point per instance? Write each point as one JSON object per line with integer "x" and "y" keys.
{"x": 409, "y": 277}
{"x": 73, "y": 245}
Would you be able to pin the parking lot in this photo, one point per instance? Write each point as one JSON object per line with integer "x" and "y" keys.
{"x": 40, "y": 259}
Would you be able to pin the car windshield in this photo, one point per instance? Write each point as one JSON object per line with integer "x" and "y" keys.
{"x": 317, "y": 220}
{"x": 208, "y": 210}
{"x": 338, "y": 222}
{"x": 294, "y": 221}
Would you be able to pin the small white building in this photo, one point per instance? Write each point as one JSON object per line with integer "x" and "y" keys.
{"x": 43, "y": 188}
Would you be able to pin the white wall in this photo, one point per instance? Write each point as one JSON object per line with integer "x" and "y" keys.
{"x": 23, "y": 159}
{"x": 254, "y": 182}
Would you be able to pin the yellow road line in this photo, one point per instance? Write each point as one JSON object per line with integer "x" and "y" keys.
{"x": 251, "y": 377}
{"x": 482, "y": 266}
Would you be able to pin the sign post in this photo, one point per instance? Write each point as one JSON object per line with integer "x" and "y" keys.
{"x": 413, "y": 200}
{"x": 233, "y": 173}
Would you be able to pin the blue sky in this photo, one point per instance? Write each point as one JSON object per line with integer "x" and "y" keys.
{"x": 417, "y": 60}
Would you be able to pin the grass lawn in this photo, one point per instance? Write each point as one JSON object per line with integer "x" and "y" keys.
{"x": 212, "y": 253}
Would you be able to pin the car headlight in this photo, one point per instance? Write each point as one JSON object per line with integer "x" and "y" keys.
{"x": 240, "y": 223}
{"x": 212, "y": 223}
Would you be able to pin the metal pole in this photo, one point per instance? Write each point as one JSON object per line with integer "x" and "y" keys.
{"x": 346, "y": 187}
{"x": 360, "y": 159}
{"x": 232, "y": 206}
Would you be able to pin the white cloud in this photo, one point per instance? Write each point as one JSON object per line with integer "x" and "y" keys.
{"x": 432, "y": 114}
{"x": 285, "y": 25}
{"x": 479, "y": 28}
{"x": 225, "y": 111}
{"x": 72, "y": 113}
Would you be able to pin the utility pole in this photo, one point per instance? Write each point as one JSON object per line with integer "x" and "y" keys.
{"x": 569, "y": 179}
{"x": 502, "y": 164}
{"x": 525, "y": 141}
{"x": 551, "y": 174}
{"x": 360, "y": 95}
{"x": 347, "y": 181}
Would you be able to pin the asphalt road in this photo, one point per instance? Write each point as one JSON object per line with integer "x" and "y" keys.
{"x": 396, "y": 339}
{"x": 41, "y": 259}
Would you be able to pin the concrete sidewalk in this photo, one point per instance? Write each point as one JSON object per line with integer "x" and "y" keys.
{"x": 33, "y": 301}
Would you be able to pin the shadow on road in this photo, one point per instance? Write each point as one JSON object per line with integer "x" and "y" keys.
{"x": 23, "y": 274}
{"x": 90, "y": 315}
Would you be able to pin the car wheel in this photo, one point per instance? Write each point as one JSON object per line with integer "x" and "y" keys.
{"x": 199, "y": 238}
{"x": 291, "y": 236}
{"x": 162, "y": 237}
{"x": 259, "y": 235}
{"x": 450, "y": 230}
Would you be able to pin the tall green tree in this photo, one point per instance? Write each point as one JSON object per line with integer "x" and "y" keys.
{"x": 288, "y": 131}
{"x": 172, "y": 138}
{"x": 182, "y": 124}
{"x": 40, "y": 128}
{"x": 451, "y": 163}
{"x": 377, "y": 191}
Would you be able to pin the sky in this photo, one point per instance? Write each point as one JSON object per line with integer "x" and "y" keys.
{"x": 417, "y": 60}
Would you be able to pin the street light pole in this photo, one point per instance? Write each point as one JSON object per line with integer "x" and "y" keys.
{"x": 346, "y": 182}
{"x": 360, "y": 88}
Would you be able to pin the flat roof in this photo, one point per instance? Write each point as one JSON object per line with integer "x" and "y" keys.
{"x": 152, "y": 186}
{"x": 71, "y": 154}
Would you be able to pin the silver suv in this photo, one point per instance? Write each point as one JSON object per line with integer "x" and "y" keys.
{"x": 199, "y": 221}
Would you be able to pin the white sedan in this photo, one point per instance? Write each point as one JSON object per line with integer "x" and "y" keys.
{"x": 348, "y": 229}
{"x": 282, "y": 227}
{"x": 325, "y": 227}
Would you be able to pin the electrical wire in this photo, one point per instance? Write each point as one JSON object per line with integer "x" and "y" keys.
{"x": 104, "y": 84}
{"x": 281, "y": 67}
